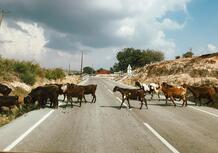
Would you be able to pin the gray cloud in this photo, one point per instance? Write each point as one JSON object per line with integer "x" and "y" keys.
{"x": 98, "y": 26}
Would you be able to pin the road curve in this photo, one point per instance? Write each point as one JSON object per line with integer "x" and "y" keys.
{"x": 102, "y": 127}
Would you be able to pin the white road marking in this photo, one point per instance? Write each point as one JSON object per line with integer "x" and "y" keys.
{"x": 20, "y": 138}
{"x": 209, "y": 113}
{"x": 110, "y": 91}
{"x": 123, "y": 103}
{"x": 161, "y": 138}
{"x": 215, "y": 115}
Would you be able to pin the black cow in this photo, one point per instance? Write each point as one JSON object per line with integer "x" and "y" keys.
{"x": 5, "y": 90}
{"x": 42, "y": 94}
{"x": 9, "y": 101}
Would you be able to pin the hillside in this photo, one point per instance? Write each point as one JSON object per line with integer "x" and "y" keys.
{"x": 196, "y": 70}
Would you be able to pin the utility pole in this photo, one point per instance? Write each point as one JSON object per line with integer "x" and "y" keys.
{"x": 2, "y": 14}
{"x": 92, "y": 70}
{"x": 81, "y": 69}
{"x": 69, "y": 70}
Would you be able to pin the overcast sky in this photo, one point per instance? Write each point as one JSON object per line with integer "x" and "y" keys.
{"x": 54, "y": 32}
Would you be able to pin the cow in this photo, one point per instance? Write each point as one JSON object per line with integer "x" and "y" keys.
{"x": 5, "y": 90}
{"x": 42, "y": 94}
{"x": 135, "y": 94}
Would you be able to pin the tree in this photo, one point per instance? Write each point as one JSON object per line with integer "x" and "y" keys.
{"x": 188, "y": 54}
{"x": 131, "y": 56}
{"x": 88, "y": 70}
{"x": 136, "y": 58}
{"x": 150, "y": 56}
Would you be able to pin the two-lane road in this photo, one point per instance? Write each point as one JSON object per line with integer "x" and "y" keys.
{"x": 103, "y": 127}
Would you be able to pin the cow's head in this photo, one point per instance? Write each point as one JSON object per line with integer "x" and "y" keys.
{"x": 27, "y": 100}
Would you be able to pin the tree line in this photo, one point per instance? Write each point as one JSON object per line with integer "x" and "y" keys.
{"x": 134, "y": 57}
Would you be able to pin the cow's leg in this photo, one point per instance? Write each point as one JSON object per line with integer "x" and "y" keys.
{"x": 122, "y": 103}
{"x": 200, "y": 102}
{"x": 166, "y": 98}
{"x": 84, "y": 98}
{"x": 210, "y": 100}
{"x": 68, "y": 98}
{"x": 158, "y": 94}
{"x": 93, "y": 97}
{"x": 195, "y": 100}
{"x": 186, "y": 101}
{"x": 173, "y": 101}
{"x": 71, "y": 102}
{"x": 128, "y": 103}
{"x": 146, "y": 104}
{"x": 64, "y": 97}
{"x": 141, "y": 99}
{"x": 152, "y": 95}
{"x": 81, "y": 101}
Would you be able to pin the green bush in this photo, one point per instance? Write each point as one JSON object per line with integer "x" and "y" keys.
{"x": 27, "y": 71}
{"x": 28, "y": 77}
{"x": 53, "y": 74}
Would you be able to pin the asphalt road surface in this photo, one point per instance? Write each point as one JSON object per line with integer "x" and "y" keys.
{"x": 104, "y": 128}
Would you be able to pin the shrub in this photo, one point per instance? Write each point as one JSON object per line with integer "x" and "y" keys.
{"x": 28, "y": 77}
{"x": 53, "y": 74}
{"x": 188, "y": 54}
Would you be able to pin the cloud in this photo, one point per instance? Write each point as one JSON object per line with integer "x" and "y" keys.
{"x": 100, "y": 27}
{"x": 27, "y": 42}
{"x": 212, "y": 48}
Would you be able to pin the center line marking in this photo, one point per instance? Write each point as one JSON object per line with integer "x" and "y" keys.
{"x": 169, "y": 146}
{"x": 121, "y": 101}
{"x": 110, "y": 91}
{"x": 20, "y": 138}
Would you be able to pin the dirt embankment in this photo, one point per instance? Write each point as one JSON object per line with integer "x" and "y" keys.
{"x": 197, "y": 70}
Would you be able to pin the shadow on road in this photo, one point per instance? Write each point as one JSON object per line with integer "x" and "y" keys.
{"x": 116, "y": 107}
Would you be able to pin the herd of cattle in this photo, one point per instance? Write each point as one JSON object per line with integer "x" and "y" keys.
{"x": 169, "y": 91}
{"x": 50, "y": 93}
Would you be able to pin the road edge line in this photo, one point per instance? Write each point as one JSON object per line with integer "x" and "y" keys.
{"x": 164, "y": 141}
{"x": 21, "y": 137}
{"x": 203, "y": 111}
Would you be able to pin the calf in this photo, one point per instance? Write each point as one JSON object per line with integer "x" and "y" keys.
{"x": 127, "y": 94}
{"x": 5, "y": 90}
{"x": 173, "y": 92}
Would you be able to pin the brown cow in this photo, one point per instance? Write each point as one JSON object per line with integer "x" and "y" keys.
{"x": 203, "y": 92}
{"x": 173, "y": 92}
{"x": 74, "y": 91}
{"x": 127, "y": 94}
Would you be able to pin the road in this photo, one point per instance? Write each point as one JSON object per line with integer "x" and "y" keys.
{"x": 104, "y": 128}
